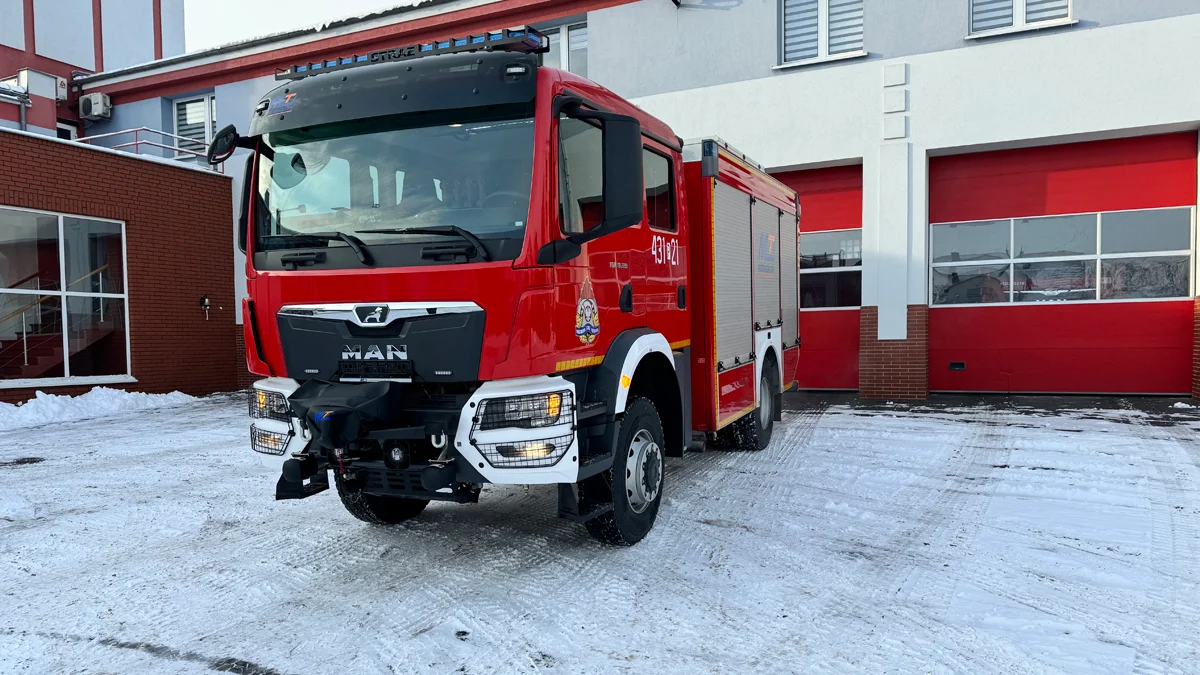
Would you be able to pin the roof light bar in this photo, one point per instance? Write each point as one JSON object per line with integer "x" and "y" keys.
{"x": 526, "y": 40}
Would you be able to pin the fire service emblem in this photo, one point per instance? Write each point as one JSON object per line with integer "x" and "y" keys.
{"x": 587, "y": 315}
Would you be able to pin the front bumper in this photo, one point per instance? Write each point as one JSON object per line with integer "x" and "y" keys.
{"x": 466, "y": 439}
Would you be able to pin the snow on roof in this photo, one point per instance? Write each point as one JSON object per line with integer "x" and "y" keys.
{"x": 6, "y": 88}
{"x": 269, "y": 38}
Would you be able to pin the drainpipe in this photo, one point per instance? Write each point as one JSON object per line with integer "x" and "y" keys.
{"x": 24, "y": 125}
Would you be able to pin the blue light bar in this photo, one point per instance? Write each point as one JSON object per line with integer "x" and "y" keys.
{"x": 523, "y": 40}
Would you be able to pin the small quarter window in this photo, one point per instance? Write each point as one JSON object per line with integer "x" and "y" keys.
{"x": 660, "y": 207}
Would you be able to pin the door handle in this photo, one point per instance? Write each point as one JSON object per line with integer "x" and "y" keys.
{"x": 627, "y": 298}
{"x": 681, "y": 297}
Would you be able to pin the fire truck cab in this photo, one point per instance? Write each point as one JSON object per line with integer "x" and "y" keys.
{"x": 469, "y": 269}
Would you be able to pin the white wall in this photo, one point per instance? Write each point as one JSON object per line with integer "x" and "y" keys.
{"x": 1079, "y": 84}
{"x": 128, "y": 32}
{"x": 172, "y": 28}
{"x": 12, "y": 24}
{"x": 62, "y": 30}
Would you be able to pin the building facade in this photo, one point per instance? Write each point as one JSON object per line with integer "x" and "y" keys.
{"x": 45, "y": 43}
{"x": 997, "y": 195}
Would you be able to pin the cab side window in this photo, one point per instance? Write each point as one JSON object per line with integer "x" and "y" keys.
{"x": 580, "y": 174}
{"x": 660, "y": 202}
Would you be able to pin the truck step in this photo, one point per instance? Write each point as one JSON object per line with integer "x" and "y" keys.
{"x": 590, "y": 409}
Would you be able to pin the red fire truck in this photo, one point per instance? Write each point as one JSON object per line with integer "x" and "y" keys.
{"x": 465, "y": 268}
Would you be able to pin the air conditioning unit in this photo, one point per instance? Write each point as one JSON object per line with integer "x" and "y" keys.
{"x": 95, "y": 106}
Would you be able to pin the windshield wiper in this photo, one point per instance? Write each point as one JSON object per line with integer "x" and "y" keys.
{"x": 355, "y": 244}
{"x": 447, "y": 230}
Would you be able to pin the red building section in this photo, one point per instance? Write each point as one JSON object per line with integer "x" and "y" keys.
{"x": 830, "y": 199}
{"x": 1096, "y": 347}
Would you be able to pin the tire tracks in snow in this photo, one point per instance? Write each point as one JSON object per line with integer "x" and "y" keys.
{"x": 947, "y": 517}
{"x": 1175, "y": 531}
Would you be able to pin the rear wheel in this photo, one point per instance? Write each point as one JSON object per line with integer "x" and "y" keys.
{"x": 753, "y": 431}
{"x": 376, "y": 509}
{"x": 635, "y": 482}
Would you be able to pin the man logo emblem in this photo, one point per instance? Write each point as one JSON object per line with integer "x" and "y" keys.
{"x": 372, "y": 314}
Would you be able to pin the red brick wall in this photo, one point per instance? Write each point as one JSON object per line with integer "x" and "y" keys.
{"x": 1196, "y": 350}
{"x": 894, "y": 369}
{"x": 245, "y": 378}
{"x": 177, "y": 224}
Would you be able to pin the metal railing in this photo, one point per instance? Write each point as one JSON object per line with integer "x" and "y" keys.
{"x": 181, "y": 153}
{"x": 21, "y": 311}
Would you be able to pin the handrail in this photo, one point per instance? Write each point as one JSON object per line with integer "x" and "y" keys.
{"x": 50, "y": 297}
{"x": 137, "y": 144}
{"x": 21, "y": 281}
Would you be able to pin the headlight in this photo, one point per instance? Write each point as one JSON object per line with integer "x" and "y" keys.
{"x": 268, "y": 442}
{"x": 270, "y": 405}
{"x": 526, "y": 412}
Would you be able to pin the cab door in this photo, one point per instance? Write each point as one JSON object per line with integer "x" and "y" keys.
{"x": 660, "y": 270}
{"x": 595, "y": 296}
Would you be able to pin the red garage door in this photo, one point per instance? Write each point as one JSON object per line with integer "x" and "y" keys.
{"x": 1065, "y": 268}
{"x": 830, "y": 274}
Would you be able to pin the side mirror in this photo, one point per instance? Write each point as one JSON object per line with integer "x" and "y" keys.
{"x": 624, "y": 190}
{"x": 224, "y": 144}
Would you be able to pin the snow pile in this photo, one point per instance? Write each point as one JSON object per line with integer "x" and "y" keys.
{"x": 100, "y": 401}
{"x": 1181, "y": 405}
{"x": 6, "y": 88}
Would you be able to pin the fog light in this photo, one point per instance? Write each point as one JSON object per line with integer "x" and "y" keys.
{"x": 397, "y": 456}
{"x": 526, "y": 454}
{"x": 268, "y": 442}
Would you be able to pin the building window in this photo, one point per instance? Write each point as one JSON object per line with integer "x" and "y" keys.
{"x": 195, "y": 124}
{"x": 568, "y": 48}
{"x": 812, "y": 30}
{"x": 831, "y": 269}
{"x": 1004, "y": 15}
{"x": 66, "y": 132}
{"x": 1121, "y": 255}
{"x": 63, "y": 301}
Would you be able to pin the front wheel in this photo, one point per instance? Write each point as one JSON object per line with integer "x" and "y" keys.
{"x": 635, "y": 482}
{"x": 375, "y": 509}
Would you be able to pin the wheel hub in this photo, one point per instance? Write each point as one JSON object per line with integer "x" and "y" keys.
{"x": 643, "y": 471}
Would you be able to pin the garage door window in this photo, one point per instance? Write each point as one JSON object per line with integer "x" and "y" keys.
{"x": 831, "y": 269}
{"x": 1123, "y": 255}
{"x": 63, "y": 315}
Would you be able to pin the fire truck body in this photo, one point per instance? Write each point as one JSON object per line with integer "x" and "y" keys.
{"x": 469, "y": 269}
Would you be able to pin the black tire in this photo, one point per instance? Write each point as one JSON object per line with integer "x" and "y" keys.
{"x": 378, "y": 510}
{"x": 753, "y": 431}
{"x": 626, "y": 524}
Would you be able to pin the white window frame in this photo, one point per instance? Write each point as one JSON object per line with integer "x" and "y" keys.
{"x": 564, "y": 30}
{"x": 1020, "y": 25}
{"x": 74, "y": 130}
{"x": 1098, "y": 257}
{"x": 67, "y": 380}
{"x": 827, "y": 270}
{"x": 823, "y": 55}
{"x": 210, "y": 108}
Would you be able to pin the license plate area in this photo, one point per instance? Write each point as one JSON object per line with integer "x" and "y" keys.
{"x": 354, "y": 370}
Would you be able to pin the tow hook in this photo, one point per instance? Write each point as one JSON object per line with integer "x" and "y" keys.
{"x": 438, "y": 475}
{"x": 438, "y": 440}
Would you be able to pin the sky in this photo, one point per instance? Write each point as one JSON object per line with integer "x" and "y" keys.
{"x": 209, "y": 23}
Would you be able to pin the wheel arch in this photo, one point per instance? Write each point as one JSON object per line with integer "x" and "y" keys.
{"x": 640, "y": 363}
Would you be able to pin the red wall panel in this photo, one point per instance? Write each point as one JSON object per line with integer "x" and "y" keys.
{"x": 830, "y": 199}
{"x": 1135, "y": 347}
{"x": 828, "y": 349}
{"x": 1127, "y": 173}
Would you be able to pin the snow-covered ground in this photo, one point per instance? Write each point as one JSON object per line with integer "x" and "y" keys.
{"x": 985, "y": 539}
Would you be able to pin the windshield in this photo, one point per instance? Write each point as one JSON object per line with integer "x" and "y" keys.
{"x": 470, "y": 170}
